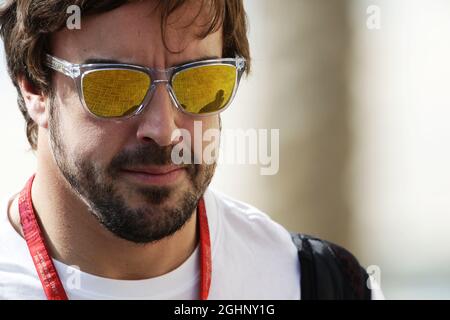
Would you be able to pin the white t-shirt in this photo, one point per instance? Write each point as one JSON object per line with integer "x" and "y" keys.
{"x": 253, "y": 257}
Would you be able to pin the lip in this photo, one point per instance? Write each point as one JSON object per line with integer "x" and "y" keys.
{"x": 155, "y": 175}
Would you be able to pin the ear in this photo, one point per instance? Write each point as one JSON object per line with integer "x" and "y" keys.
{"x": 35, "y": 102}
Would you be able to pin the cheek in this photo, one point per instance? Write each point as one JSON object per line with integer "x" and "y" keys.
{"x": 211, "y": 131}
{"x": 205, "y": 134}
{"x": 86, "y": 138}
{"x": 103, "y": 144}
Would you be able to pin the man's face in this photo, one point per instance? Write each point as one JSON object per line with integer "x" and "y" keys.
{"x": 95, "y": 156}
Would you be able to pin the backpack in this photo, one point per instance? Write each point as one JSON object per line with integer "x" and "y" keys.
{"x": 328, "y": 271}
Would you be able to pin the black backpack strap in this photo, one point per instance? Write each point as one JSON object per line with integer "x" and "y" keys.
{"x": 329, "y": 272}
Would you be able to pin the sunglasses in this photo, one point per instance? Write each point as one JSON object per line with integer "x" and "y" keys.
{"x": 120, "y": 91}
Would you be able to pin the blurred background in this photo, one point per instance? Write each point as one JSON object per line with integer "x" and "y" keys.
{"x": 360, "y": 93}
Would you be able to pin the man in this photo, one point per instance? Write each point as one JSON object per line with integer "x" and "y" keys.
{"x": 109, "y": 214}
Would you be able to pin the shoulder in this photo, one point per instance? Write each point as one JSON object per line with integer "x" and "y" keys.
{"x": 252, "y": 231}
{"x": 249, "y": 221}
{"x": 18, "y": 277}
{"x": 248, "y": 244}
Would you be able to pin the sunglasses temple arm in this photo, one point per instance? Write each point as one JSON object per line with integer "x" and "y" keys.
{"x": 67, "y": 68}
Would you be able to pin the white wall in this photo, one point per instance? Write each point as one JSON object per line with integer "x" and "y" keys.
{"x": 401, "y": 170}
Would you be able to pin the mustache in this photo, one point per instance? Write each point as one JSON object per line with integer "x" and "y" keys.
{"x": 150, "y": 154}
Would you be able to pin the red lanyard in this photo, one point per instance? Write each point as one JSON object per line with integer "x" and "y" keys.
{"x": 46, "y": 270}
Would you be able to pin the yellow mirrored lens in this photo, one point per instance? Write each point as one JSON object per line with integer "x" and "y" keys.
{"x": 205, "y": 89}
{"x": 114, "y": 93}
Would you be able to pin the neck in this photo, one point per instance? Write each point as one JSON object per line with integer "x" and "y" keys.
{"x": 75, "y": 237}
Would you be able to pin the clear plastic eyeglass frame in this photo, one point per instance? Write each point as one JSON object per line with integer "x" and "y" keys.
{"x": 158, "y": 76}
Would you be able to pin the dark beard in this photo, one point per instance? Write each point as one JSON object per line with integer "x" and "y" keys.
{"x": 96, "y": 186}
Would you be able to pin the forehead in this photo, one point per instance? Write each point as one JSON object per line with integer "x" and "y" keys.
{"x": 132, "y": 33}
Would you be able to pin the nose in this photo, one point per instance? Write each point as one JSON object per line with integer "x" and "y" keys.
{"x": 158, "y": 119}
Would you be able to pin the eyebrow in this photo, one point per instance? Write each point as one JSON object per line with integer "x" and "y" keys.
{"x": 113, "y": 61}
